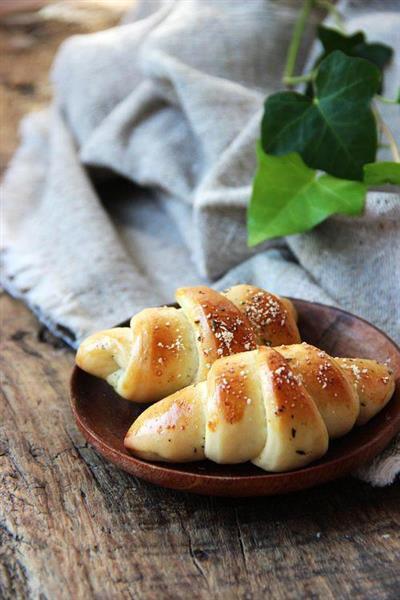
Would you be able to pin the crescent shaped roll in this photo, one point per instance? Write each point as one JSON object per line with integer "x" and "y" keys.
{"x": 276, "y": 407}
{"x": 166, "y": 348}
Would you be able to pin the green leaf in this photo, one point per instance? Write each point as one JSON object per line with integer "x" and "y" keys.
{"x": 354, "y": 45}
{"x": 382, "y": 172}
{"x": 289, "y": 198}
{"x": 336, "y": 130}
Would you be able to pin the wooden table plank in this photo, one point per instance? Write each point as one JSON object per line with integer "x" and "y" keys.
{"x": 74, "y": 526}
{"x": 28, "y": 43}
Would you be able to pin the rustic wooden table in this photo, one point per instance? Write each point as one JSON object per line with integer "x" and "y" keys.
{"x": 74, "y": 526}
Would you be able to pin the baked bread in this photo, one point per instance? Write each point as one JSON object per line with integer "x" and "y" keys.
{"x": 276, "y": 407}
{"x": 167, "y": 348}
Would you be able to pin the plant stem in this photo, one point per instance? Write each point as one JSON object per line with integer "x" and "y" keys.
{"x": 386, "y": 100}
{"x": 388, "y": 134}
{"x": 331, "y": 8}
{"x": 296, "y": 40}
{"x": 300, "y": 78}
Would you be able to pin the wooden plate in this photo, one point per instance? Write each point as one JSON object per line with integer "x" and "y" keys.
{"x": 104, "y": 418}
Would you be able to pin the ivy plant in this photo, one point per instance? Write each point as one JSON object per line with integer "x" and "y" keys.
{"x": 317, "y": 153}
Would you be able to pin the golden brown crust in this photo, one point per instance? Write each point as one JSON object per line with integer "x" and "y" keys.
{"x": 373, "y": 383}
{"x": 233, "y": 406}
{"x": 328, "y": 385}
{"x": 276, "y": 407}
{"x": 291, "y": 398}
{"x": 296, "y": 433}
{"x": 272, "y": 318}
{"x": 168, "y": 428}
{"x": 163, "y": 356}
{"x": 232, "y": 401}
{"x": 220, "y": 328}
{"x": 230, "y": 390}
{"x": 167, "y": 348}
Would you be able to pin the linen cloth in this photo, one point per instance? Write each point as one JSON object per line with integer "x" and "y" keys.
{"x": 136, "y": 180}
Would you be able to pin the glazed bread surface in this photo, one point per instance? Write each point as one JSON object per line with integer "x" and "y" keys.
{"x": 167, "y": 348}
{"x": 276, "y": 407}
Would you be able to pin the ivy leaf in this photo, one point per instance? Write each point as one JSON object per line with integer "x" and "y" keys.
{"x": 288, "y": 197}
{"x": 382, "y": 172}
{"x": 354, "y": 45}
{"x": 336, "y": 130}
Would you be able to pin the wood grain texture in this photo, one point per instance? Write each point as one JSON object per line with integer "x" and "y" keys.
{"x": 28, "y": 43}
{"x": 74, "y": 526}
